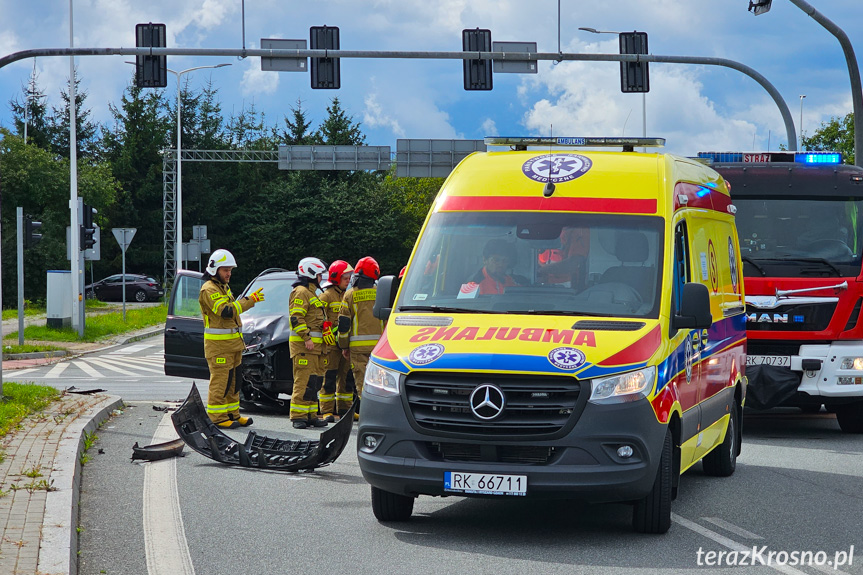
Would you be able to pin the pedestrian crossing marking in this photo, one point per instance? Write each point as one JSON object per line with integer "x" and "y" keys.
{"x": 57, "y": 370}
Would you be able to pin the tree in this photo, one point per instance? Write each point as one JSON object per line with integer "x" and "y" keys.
{"x": 339, "y": 129}
{"x": 133, "y": 148}
{"x": 835, "y": 135}
{"x": 87, "y": 141}
{"x": 297, "y": 129}
{"x": 34, "y": 111}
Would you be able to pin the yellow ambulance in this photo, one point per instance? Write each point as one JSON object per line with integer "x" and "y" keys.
{"x": 571, "y": 324}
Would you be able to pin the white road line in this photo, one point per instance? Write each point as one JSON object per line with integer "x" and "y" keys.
{"x": 130, "y": 349}
{"x": 14, "y": 373}
{"x": 726, "y": 542}
{"x": 57, "y": 370}
{"x": 165, "y": 542}
{"x": 721, "y": 523}
{"x": 136, "y": 366}
{"x": 85, "y": 367}
{"x": 109, "y": 366}
{"x": 141, "y": 361}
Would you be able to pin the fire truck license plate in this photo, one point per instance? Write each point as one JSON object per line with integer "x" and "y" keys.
{"x": 484, "y": 483}
{"x": 777, "y": 360}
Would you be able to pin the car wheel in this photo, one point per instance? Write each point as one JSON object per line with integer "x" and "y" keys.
{"x": 722, "y": 461}
{"x": 850, "y": 417}
{"x": 140, "y": 295}
{"x": 653, "y": 513}
{"x": 391, "y": 506}
{"x": 91, "y": 294}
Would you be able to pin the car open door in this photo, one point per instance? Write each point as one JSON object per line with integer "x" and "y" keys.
{"x": 184, "y": 329}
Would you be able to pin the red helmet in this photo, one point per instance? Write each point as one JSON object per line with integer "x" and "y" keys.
{"x": 337, "y": 269}
{"x": 368, "y": 267}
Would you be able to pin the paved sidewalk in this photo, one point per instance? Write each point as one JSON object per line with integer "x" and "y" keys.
{"x": 39, "y": 479}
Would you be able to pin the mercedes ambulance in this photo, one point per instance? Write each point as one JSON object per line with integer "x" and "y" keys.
{"x": 571, "y": 324}
{"x": 801, "y": 240}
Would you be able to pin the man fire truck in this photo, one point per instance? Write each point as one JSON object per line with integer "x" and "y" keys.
{"x": 801, "y": 240}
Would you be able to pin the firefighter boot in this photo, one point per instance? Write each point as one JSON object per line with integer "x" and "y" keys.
{"x": 230, "y": 424}
{"x": 244, "y": 421}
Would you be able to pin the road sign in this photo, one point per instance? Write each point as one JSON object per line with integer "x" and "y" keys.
{"x": 514, "y": 66}
{"x": 199, "y": 232}
{"x": 432, "y": 158}
{"x": 283, "y": 64}
{"x": 124, "y": 236}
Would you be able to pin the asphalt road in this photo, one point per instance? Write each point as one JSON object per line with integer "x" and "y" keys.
{"x": 796, "y": 489}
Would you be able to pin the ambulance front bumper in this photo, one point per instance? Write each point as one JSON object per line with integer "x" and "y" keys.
{"x": 582, "y": 464}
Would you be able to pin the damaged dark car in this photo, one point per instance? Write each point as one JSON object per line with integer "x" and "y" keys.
{"x": 266, "y": 374}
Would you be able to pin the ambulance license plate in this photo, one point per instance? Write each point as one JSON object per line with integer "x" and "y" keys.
{"x": 484, "y": 483}
{"x": 777, "y": 360}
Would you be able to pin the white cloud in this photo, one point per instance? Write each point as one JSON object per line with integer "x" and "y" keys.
{"x": 375, "y": 117}
{"x": 489, "y": 127}
{"x": 256, "y": 81}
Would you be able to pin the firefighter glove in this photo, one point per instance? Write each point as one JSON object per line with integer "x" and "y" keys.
{"x": 257, "y": 295}
{"x": 329, "y": 334}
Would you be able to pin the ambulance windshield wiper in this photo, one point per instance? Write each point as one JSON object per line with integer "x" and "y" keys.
{"x": 444, "y": 309}
{"x": 796, "y": 260}
{"x": 561, "y": 312}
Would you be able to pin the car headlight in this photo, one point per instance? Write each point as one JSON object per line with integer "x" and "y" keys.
{"x": 624, "y": 387}
{"x": 380, "y": 381}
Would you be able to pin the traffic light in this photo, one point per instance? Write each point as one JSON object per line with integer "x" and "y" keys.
{"x": 31, "y": 232}
{"x": 477, "y": 73}
{"x": 151, "y": 71}
{"x": 326, "y": 72}
{"x": 633, "y": 75}
{"x": 88, "y": 230}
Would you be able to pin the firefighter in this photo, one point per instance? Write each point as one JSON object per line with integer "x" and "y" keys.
{"x": 223, "y": 339}
{"x": 335, "y": 399}
{"x": 359, "y": 330}
{"x": 309, "y": 331}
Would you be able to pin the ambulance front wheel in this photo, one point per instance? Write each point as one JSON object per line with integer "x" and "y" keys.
{"x": 391, "y": 506}
{"x": 653, "y": 513}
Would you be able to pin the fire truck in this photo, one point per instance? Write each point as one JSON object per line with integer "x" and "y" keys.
{"x": 801, "y": 239}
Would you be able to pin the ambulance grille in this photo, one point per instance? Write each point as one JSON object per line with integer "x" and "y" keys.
{"x": 519, "y": 454}
{"x": 538, "y": 405}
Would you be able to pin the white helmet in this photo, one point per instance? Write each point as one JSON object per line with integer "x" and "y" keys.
{"x": 220, "y": 259}
{"x": 311, "y": 268}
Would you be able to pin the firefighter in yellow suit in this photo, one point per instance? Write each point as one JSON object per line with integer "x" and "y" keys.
{"x": 359, "y": 329}
{"x": 308, "y": 316}
{"x": 223, "y": 339}
{"x": 334, "y": 398}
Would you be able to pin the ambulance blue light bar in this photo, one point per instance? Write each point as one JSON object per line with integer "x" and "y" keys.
{"x": 523, "y": 142}
{"x": 764, "y": 157}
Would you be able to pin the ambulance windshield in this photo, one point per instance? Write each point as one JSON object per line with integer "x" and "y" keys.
{"x": 537, "y": 262}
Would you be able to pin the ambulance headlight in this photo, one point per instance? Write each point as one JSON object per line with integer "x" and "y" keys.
{"x": 624, "y": 387}
{"x": 852, "y": 363}
{"x": 380, "y": 381}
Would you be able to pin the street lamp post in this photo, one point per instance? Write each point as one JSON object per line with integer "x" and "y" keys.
{"x": 643, "y": 94}
{"x": 801, "y": 120}
{"x": 178, "y": 242}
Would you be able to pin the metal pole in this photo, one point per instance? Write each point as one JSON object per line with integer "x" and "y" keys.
{"x": 644, "y": 117}
{"x": 124, "y": 278}
{"x": 74, "y": 208}
{"x": 1, "y": 299}
{"x": 801, "y": 120}
{"x": 19, "y": 215}
{"x": 787, "y": 118}
{"x": 853, "y": 73}
{"x": 178, "y": 245}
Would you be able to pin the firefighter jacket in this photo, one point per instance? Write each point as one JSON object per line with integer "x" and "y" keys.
{"x": 308, "y": 314}
{"x": 332, "y": 298}
{"x": 223, "y": 328}
{"x": 359, "y": 329}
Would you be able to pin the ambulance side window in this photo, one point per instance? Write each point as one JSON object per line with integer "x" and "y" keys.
{"x": 681, "y": 264}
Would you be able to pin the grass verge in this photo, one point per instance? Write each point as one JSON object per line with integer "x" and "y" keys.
{"x": 22, "y": 399}
{"x": 99, "y": 326}
{"x": 28, "y": 311}
{"x": 28, "y": 348}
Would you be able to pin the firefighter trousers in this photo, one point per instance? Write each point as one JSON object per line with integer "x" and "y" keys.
{"x": 334, "y": 396}
{"x": 308, "y": 379}
{"x": 223, "y": 398}
{"x": 359, "y": 361}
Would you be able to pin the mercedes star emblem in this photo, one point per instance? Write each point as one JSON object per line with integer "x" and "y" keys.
{"x": 487, "y": 401}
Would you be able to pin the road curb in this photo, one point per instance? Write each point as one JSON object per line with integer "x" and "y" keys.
{"x": 35, "y": 354}
{"x": 58, "y": 549}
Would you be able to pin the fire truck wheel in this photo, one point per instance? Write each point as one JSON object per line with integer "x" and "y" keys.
{"x": 653, "y": 513}
{"x": 850, "y": 417}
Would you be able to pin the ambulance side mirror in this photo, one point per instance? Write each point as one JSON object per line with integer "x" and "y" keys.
{"x": 386, "y": 296}
{"x": 694, "y": 308}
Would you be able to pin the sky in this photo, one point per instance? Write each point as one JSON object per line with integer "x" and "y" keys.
{"x": 695, "y": 108}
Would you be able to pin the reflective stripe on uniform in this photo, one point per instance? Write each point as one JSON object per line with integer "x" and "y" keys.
{"x": 238, "y": 307}
{"x": 219, "y": 302}
{"x": 220, "y": 337}
{"x": 326, "y": 397}
{"x": 297, "y": 311}
{"x": 304, "y": 408}
{"x": 218, "y": 331}
{"x": 344, "y": 397}
{"x": 223, "y": 408}
{"x": 363, "y": 343}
